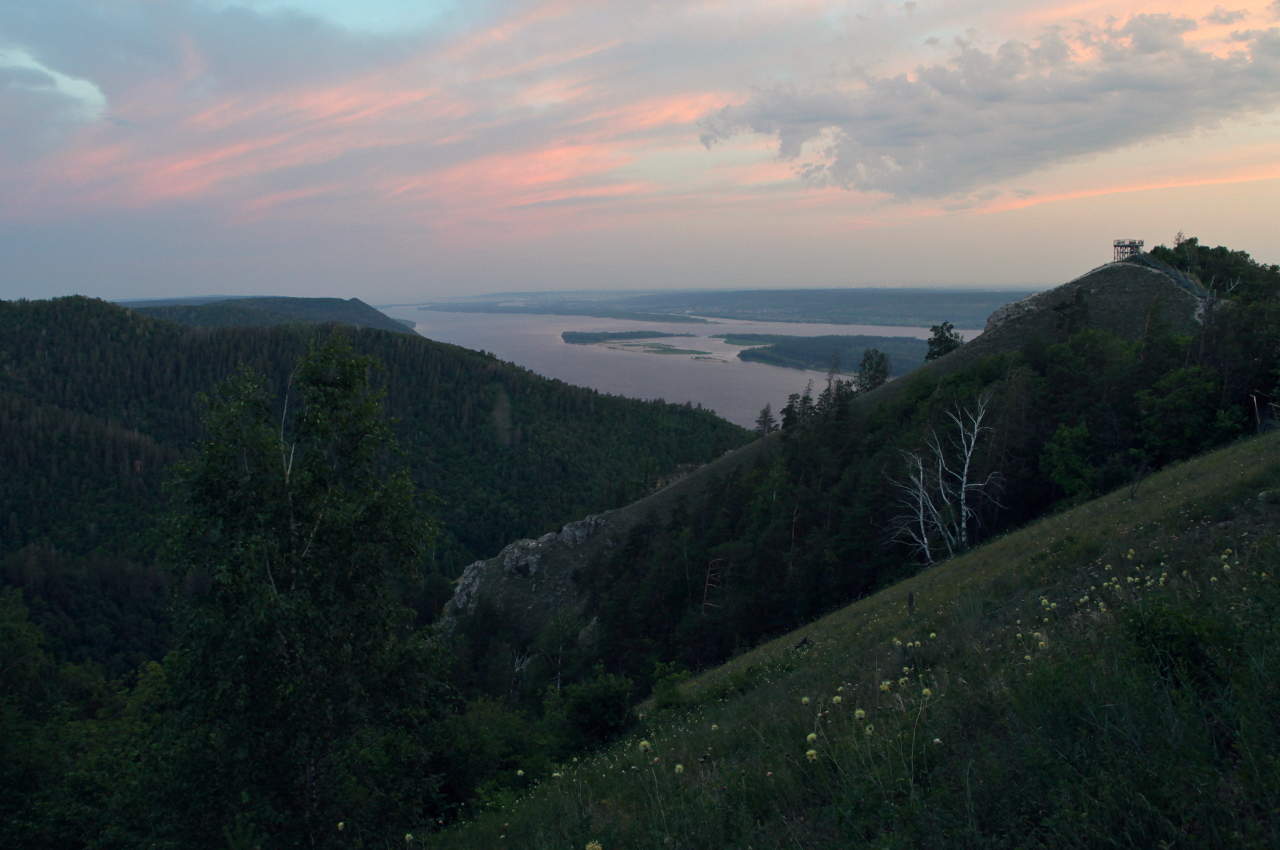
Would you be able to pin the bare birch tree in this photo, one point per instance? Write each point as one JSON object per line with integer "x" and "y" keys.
{"x": 938, "y": 495}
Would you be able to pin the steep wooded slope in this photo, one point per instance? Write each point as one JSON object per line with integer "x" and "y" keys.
{"x": 1087, "y": 386}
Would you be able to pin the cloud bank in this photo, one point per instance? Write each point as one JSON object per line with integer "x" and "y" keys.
{"x": 988, "y": 115}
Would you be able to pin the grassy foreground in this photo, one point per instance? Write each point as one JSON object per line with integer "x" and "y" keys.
{"x": 1108, "y": 677}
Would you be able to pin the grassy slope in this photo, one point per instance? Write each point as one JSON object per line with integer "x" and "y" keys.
{"x": 1104, "y": 677}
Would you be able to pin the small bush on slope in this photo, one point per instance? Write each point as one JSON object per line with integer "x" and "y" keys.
{"x": 1106, "y": 677}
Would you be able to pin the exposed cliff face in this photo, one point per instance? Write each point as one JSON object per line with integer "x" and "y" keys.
{"x": 531, "y": 581}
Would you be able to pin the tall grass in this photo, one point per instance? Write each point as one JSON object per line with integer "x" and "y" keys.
{"x": 1108, "y": 677}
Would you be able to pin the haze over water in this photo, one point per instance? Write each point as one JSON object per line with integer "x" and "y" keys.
{"x": 733, "y": 388}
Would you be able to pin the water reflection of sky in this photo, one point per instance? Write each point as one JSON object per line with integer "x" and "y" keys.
{"x": 733, "y": 388}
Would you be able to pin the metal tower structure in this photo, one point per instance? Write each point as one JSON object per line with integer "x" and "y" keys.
{"x": 1126, "y": 248}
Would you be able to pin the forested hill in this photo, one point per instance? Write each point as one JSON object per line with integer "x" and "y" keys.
{"x": 267, "y": 311}
{"x": 1071, "y": 393}
{"x": 97, "y": 401}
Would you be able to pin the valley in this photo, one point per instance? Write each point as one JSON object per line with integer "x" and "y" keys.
{"x": 639, "y": 426}
{"x": 523, "y": 611}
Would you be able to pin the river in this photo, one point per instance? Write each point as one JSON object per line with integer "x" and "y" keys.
{"x": 718, "y": 380}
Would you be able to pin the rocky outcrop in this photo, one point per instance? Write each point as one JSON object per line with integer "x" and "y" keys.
{"x": 531, "y": 580}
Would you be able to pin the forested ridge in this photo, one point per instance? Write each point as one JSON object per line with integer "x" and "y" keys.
{"x": 265, "y": 311}
{"x": 97, "y": 402}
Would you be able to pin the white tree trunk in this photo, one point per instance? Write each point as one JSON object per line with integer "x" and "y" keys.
{"x": 938, "y": 494}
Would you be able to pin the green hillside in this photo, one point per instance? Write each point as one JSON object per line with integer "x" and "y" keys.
{"x": 1106, "y": 677}
{"x": 256, "y": 312}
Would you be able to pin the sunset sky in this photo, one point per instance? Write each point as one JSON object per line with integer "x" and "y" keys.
{"x": 398, "y": 150}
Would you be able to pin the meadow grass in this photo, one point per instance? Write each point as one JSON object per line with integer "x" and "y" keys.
{"x": 1106, "y": 677}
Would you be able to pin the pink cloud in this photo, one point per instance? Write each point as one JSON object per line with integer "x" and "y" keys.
{"x": 1250, "y": 176}
{"x": 512, "y": 176}
{"x": 680, "y": 110}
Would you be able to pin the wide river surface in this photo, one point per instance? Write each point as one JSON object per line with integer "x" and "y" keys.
{"x": 718, "y": 380}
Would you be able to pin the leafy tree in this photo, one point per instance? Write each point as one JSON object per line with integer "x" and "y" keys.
{"x": 25, "y": 697}
{"x": 302, "y": 695}
{"x": 1181, "y": 415}
{"x": 873, "y": 371}
{"x": 1065, "y": 460}
{"x": 594, "y": 710}
{"x": 1226, "y": 273}
{"x": 943, "y": 339}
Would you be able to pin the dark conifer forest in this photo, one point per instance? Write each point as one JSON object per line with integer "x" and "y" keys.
{"x": 97, "y": 402}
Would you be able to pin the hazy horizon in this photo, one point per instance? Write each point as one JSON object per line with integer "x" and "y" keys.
{"x": 445, "y": 297}
{"x": 404, "y": 151}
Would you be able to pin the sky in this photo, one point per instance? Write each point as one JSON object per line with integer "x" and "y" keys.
{"x": 402, "y": 150}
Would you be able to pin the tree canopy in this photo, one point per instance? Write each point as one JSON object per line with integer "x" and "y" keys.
{"x": 297, "y": 676}
{"x": 943, "y": 339}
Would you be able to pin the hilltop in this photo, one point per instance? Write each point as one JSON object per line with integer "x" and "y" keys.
{"x": 265, "y": 311}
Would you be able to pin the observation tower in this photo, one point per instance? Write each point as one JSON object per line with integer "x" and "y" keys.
{"x": 1126, "y": 248}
